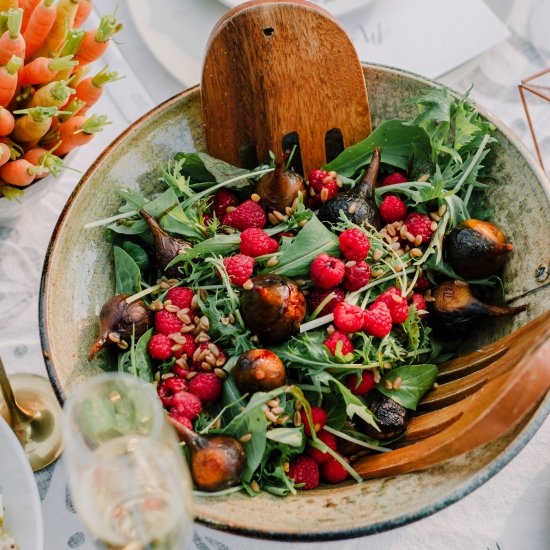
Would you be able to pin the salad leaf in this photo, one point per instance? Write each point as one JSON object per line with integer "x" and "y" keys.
{"x": 137, "y": 253}
{"x": 294, "y": 437}
{"x": 201, "y": 167}
{"x": 127, "y": 273}
{"x": 140, "y": 361}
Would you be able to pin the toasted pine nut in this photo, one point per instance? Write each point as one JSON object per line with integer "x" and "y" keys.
{"x": 255, "y": 197}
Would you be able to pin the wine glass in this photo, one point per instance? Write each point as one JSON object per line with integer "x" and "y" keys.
{"x": 129, "y": 480}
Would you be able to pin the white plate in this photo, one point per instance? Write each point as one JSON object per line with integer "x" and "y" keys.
{"x": 23, "y": 514}
{"x": 336, "y": 7}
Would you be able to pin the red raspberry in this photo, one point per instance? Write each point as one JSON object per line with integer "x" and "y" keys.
{"x": 332, "y": 343}
{"x": 188, "y": 348}
{"x": 348, "y": 317}
{"x": 317, "y": 179}
{"x": 188, "y": 404}
{"x": 288, "y": 234}
{"x": 326, "y": 271}
{"x": 206, "y": 386}
{"x": 256, "y": 242}
{"x": 304, "y": 470}
{"x": 333, "y": 472}
{"x": 167, "y": 322}
{"x": 319, "y": 417}
{"x": 392, "y": 179}
{"x": 354, "y": 244}
{"x": 168, "y": 388}
{"x": 320, "y": 180}
{"x": 420, "y": 304}
{"x": 397, "y": 305}
{"x": 248, "y": 214}
{"x": 319, "y": 456}
{"x": 378, "y": 320}
{"x": 357, "y": 276}
{"x": 220, "y": 357}
{"x": 317, "y": 295}
{"x": 392, "y": 209}
{"x": 423, "y": 284}
{"x": 160, "y": 347}
{"x": 221, "y": 199}
{"x": 180, "y": 372}
{"x": 239, "y": 268}
{"x": 365, "y": 385}
{"x": 180, "y": 296}
{"x": 419, "y": 224}
{"x": 181, "y": 418}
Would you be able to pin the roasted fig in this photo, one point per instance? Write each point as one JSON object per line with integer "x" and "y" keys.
{"x": 455, "y": 310}
{"x": 166, "y": 247}
{"x": 279, "y": 189}
{"x": 217, "y": 461}
{"x": 391, "y": 417}
{"x": 259, "y": 370}
{"x": 358, "y": 204}
{"x": 273, "y": 308}
{"x": 476, "y": 249}
{"x": 118, "y": 320}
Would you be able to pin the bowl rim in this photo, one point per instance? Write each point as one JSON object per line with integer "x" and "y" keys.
{"x": 491, "y": 469}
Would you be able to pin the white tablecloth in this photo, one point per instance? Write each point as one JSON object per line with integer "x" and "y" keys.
{"x": 511, "y": 511}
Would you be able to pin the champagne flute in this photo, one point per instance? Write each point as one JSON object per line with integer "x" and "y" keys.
{"x": 129, "y": 480}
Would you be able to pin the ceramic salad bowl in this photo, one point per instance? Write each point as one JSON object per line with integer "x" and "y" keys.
{"x": 78, "y": 279}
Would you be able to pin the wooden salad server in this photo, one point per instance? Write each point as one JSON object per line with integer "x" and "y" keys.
{"x": 278, "y": 74}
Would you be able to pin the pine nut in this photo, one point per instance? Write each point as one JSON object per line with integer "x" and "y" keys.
{"x": 410, "y": 237}
{"x": 114, "y": 337}
{"x": 171, "y": 308}
{"x": 273, "y": 403}
{"x": 248, "y": 285}
{"x": 279, "y": 216}
{"x": 187, "y": 328}
{"x": 254, "y": 486}
{"x": 433, "y": 227}
{"x": 283, "y": 419}
{"x": 220, "y": 362}
{"x": 387, "y": 365}
{"x": 302, "y": 223}
{"x": 220, "y": 373}
{"x": 191, "y": 375}
{"x": 351, "y": 263}
{"x": 272, "y": 219}
{"x": 352, "y": 209}
{"x": 277, "y": 410}
{"x": 255, "y": 197}
{"x": 230, "y": 209}
{"x": 415, "y": 252}
{"x": 398, "y": 268}
{"x": 324, "y": 194}
{"x": 442, "y": 209}
{"x": 298, "y": 405}
{"x": 289, "y": 211}
{"x": 297, "y": 419}
{"x": 285, "y": 466}
{"x": 177, "y": 347}
{"x": 424, "y": 178}
{"x": 206, "y": 366}
{"x": 156, "y": 305}
{"x": 391, "y": 231}
{"x": 418, "y": 240}
{"x": 395, "y": 246}
{"x": 272, "y": 262}
{"x": 195, "y": 302}
{"x": 270, "y": 416}
{"x": 245, "y": 438}
{"x": 123, "y": 345}
{"x": 397, "y": 383}
{"x": 378, "y": 273}
{"x": 460, "y": 284}
{"x": 388, "y": 384}
{"x": 376, "y": 255}
{"x": 435, "y": 216}
{"x": 331, "y": 330}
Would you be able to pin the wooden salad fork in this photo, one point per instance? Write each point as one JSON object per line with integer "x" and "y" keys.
{"x": 278, "y": 74}
{"x": 482, "y": 396}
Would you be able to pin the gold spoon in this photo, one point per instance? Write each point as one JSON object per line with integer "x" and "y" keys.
{"x": 35, "y": 417}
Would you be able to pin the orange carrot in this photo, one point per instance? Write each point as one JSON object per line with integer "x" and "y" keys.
{"x": 78, "y": 131}
{"x": 20, "y": 172}
{"x": 15, "y": 149}
{"x": 6, "y": 5}
{"x": 43, "y": 70}
{"x": 28, "y": 7}
{"x": 53, "y": 94}
{"x": 40, "y": 23}
{"x": 5, "y": 154}
{"x": 12, "y": 41}
{"x": 96, "y": 41}
{"x": 71, "y": 109}
{"x": 83, "y": 12}
{"x": 42, "y": 157}
{"x": 6, "y": 122}
{"x": 91, "y": 88}
{"x": 8, "y": 80}
{"x": 64, "y": 19}
{"x": 34, "y": 124}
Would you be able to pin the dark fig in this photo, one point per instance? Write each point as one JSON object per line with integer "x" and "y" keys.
{"x": 358, "y": 204}
{"x": 476, "y": 249}
{"x": 259, "y": 370}
{"x": 391, "y": 417}
{"x": 273, "y": 308}
{"x": 279, "y": 189}
{"x": 166, "y": 247}
{"x": 217, "y": 461}
{"x": 455, "y": 310}
{"x": 118, "y": 320}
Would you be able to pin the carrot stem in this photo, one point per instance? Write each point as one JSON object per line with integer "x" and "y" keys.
{"x": 14, "y": 64}
{"x": 38, "y": 114}
{"x": 103, "y": 77}
{"x": 108, "y": 26}
{"x": 71, "y": 109}
{"x": 94, "y": 124}
{"x": 72, "y": 42}
{"x": 14, "y": 20}
{"x": 62, "y": 63}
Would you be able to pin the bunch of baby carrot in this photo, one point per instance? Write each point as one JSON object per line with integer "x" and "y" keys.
{"x": 45, "y": 93}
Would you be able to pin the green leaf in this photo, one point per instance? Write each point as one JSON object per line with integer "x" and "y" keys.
{"x": 287, "y": 436}
{"x": 140, "y": 361}
{"x": 397, "y": 141}
{"x": 201, "y": 167}
{"x": 127, "y": 273}
{"x": 137, "y": 254}
{"x": 416, "y": 380}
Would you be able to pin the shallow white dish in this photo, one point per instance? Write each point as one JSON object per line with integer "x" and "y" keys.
{"x": 23, "y": 513}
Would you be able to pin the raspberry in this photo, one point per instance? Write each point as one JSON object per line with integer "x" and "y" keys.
{"x": 319, "y": 456}
{"x": 333, "y": 472}
{"x": 189, "y": 347}
{"x": 223, "y": 198}
{"x": 319, "y": 417}
{"x": 206, "y": 386}
{"x": 248, "y": 214}
{"x": 378, "y": 320}
{"x": 347, "y": 317}
{"x": 419, "y": 224}
{"x": 392, "y": 209}
{"x": 180, "y": 296}
{"x": 256, "y": 242}
{"x": 203, "y": 364}
{"x": 188, "y": 404}
{"x": 168, "y": 388}
{"x": 354, "y": 244}
{"x": 167, "y": 322}
{"x": 423, "y": 284}
{"x": 319, "y": 180}
{"x": 365, "y": 385}
{"x": 181, "y": 418}
{"x": 317, "y": 295}
{"x": 304, "y": 469}
{"x": 420, "y": 304}
{"x": 394, "y": 178}
{"x": 397, "y": 305}
{"x": 288, "y": 234}
{"x": 357, "y": 276}
{"x": 332, "y": 343}
{"x": 180, "y": 372}
{"x": 160, "y": 347}
{"x": 326, "y": 271}
{"x": 239, "y": 268}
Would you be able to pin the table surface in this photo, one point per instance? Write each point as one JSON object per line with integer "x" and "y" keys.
{"x": 511, "y": 511}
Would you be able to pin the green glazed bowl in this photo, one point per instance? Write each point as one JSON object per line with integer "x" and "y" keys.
{"x": 78, "y": 278}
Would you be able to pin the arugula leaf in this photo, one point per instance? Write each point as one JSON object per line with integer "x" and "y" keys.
{"x": 294, "y": 437}
{"x": 416, "y": 380}
{"x": 140, "y": 361}
{"x": 127, "y": 273}
{"x": 137, "y": 254}
{"x": 201, "y": 167}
